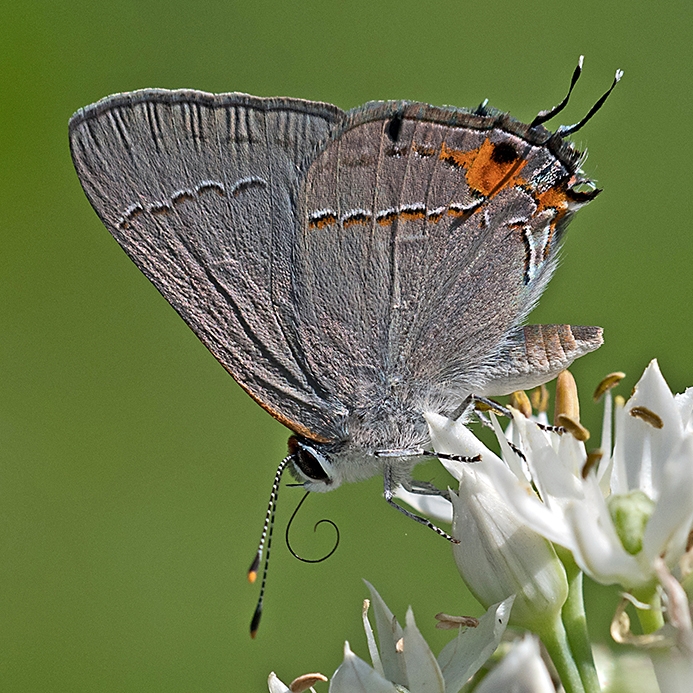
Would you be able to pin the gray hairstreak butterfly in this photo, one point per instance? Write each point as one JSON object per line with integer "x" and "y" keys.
{"x": 351, "y": 270}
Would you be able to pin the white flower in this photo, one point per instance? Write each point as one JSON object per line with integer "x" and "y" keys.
{"x": 405, "y": 660}
{"x": 649, "y": 508}
{"x": 522, "y": 670}
{"x": 637, "y": 505}
{"x": 498, "y": 555}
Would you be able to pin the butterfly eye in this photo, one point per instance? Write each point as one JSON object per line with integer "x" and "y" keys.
{"x": 311, "y": 464}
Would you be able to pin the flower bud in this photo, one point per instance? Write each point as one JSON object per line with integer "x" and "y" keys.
{"x": 499, "y": 556}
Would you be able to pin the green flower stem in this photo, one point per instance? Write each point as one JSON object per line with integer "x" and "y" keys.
{"x": 575, "y": 622}
{"x": 650, "y": 619}
{"x": 556, "y": 642}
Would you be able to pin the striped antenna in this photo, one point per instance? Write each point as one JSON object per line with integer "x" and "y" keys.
{"x": 266, "y": 537}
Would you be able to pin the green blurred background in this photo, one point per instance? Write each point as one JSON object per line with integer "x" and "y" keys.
{"x": 134, "y": 472}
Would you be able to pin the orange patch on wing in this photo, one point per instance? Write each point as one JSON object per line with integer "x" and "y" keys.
{"x": 353, "y": 221}
{"x": 457, "y": 211}
{"x": 412, "y": 214}
{"x": 387, "y": 218}
{"x": 486, "y": 173}
{"x": 323, "y": 221}
{"x": 553, "y": 198}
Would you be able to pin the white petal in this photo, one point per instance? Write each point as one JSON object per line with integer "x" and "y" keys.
{"x": 499, "y": 556}
{"x": 389, "y": 634}
{"x": 618, "y": 483}
{"x": 370, "y": 639}
{"x": 516, "y": 465}
{"x": 468, "y": 652}
{"x": 521, "y": 671}
{"x": 642, "y": 448}
{"x": 672, "y": 514}
{"x": 423, "y": 673}
{"x": 599, "y": 552}
{"x": 355, "y": 676}
{"x": 607, "y": 418}
{"x": 437, "y": 507}
{"x": 275, "y": 685}
{"x": 454, "y": 438}
{"x": 535, "y": 514}
{"x": 553, "y": 472}
{"x": 684, "y": 403}
{"x": 571, "y": 452}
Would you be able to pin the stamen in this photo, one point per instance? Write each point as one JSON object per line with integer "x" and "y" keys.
{"x": 608, "y": 383}
{"x": 567, "y": 403}
{"x": 575, "y": 428}
{"x": 483, "y": 404}
{"x": 306, "y": 682}
{"x": 540, "y": 398}
{"x": 593, "y": 459}
{"x": 648, "y": 416}
{"x": 520, "y": 401}
{"x": 447, "y": 622}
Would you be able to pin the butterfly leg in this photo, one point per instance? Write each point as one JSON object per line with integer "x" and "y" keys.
{"x": 425, "y": 488}
{"x": 469, "y": 406}
{"x": 389, "y": 494}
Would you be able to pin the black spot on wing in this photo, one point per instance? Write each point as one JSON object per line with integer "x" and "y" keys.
{"x": 504, "y": 153}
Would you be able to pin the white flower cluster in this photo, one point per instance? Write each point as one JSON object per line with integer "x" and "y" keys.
{"x": 624, "y": 520}
{"x": 405, "y": 663}
{"x": 530, "y": 523}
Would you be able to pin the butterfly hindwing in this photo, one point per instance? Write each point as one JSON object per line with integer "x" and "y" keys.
{"x": 427, "y": 236}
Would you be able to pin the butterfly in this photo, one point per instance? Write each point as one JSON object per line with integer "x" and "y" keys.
{"x": 350, "y": 270}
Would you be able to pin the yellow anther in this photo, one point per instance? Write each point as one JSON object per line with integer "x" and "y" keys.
{"x": 593, "y": 459}
{"x": 607, "y": 383}
{"x": 575, "y": 428}
{"x": 520, "y": 401}
{"x": 648, "y": 416}
{"x": 567, "y": 403}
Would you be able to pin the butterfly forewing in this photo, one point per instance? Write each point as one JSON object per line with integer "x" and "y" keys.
{"x": 199, "y": 191}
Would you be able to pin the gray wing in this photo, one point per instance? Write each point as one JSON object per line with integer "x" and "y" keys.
{"x": 199, "y": 190}
{"x": 427, "y": 237}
